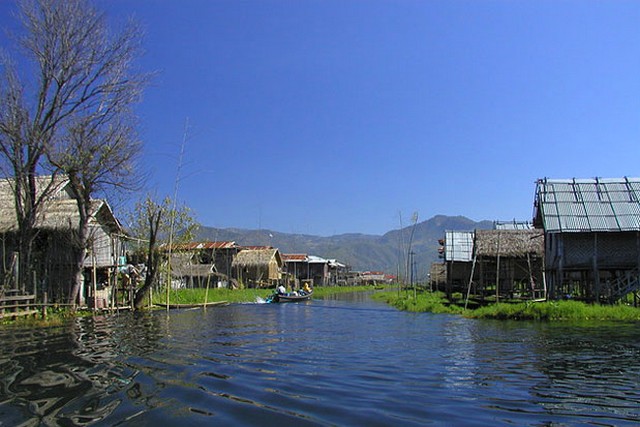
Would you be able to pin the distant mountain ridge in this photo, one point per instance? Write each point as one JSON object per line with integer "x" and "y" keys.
{"x": 361, "y": 251}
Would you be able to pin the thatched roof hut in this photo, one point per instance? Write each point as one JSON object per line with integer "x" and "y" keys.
{"x": 59, "y": 211}
{"x": 256, "y": 257}
{"x": 258, "y": 265}
{"x": 509, "y": 243}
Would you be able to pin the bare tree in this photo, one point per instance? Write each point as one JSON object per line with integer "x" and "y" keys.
{"x": 78, "y": 114}
{"x": 156, "y": 221}
{"x": 94, "y": 157}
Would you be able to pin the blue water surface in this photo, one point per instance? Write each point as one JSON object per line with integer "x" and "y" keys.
{"x": 346, "y": 361}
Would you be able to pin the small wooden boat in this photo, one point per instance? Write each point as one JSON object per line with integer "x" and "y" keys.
{"x": 290, "y": 297}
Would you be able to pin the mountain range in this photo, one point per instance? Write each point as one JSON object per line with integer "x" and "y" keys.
{"x": 363, "y": 252}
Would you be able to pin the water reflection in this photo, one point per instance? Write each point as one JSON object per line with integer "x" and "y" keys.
{"x": 591, "y": 370}
{"x": 70, "y": 375}
{"x": 339, "y": 361}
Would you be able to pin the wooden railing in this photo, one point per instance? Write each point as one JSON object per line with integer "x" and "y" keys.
{"x": 12, "y": 304}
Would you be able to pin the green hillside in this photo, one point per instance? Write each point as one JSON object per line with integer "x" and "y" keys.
{"x": 361, "y": 251}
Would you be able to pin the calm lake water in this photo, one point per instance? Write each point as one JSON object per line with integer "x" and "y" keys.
{"x": 346, "y": 361}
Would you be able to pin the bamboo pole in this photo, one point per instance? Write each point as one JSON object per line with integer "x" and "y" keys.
{"x": 173, "y": 211}
{"x": 94, "y": 280}
{"x": 206, "y": 292}
{"x": 473, "y": 269}
{"x": 498, "y": 270}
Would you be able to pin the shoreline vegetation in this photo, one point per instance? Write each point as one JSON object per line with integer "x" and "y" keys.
{"x": 436, "y": 302}
{"x": 57, "y": 316}
{"x": 420, "y": 301}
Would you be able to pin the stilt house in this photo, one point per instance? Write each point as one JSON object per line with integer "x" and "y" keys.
{"x": 318, "y": 270}
{"x": 458, "y": 257}
{"x": 508, "y": 263}
{"x": 57, "y": 224}
{"x": 202, "y": 264}
{"x": 258, "y": 267}
{"x": 296, "y": 268}
{"x": 337, "y": 273}
{"x": 592, "y": 235}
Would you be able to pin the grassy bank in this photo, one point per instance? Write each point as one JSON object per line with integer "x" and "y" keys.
{"x": 59, "y": 316}
{"x": 432, "y": 302}
{"x": 435, "y": 302}
{"x": 556, "y": 310}
{"x": 55, "y": 316}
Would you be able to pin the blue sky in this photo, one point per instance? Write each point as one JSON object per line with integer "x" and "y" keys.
{"x": 328, "y": 117}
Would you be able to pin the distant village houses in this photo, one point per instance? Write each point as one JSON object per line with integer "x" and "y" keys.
{"x": 226, "y": 264}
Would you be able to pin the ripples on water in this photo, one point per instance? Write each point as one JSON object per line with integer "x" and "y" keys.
{"x": 327, "y": 362}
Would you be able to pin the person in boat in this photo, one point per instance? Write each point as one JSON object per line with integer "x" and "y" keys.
{"x": 306, "y": 288}
{"x": 281, "y": 290}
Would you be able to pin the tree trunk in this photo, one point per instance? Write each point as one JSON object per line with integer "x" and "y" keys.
{"x": 153, "y": 260}
{"x": 24, "y": 259}
{"x": 149, "y": 280}
{"x": 80, "y": 245}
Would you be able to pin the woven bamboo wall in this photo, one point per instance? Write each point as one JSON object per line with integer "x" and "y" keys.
{"x": 614, "y": 250}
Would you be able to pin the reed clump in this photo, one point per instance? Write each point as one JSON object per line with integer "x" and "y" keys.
{"x": 433, "y": 302}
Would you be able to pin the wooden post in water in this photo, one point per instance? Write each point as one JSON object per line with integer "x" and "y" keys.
{"x": 473, "y": 269}
{"x": 94, "y": 280}
{"x": 596, "y": 273}
{"x": 44, "y": 305}
{"x": 35, "y": 284}
{"x": 206, "y": 292}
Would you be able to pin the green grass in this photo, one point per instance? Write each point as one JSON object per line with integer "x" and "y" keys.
{"x": 56, "y": 316}
{"x": 556, "y": 311}
{"x": 433, "y": 302}
{"x": 436, "y": 302}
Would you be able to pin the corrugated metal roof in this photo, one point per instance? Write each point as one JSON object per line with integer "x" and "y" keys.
{"x": 458, "y": 246}
{"x": 191, "y": 246}
{"x": 599, "y": 204}
{"x": 513, "y": 225}
{"x": 313, "y": 259}
{"x": 294, "y": 257}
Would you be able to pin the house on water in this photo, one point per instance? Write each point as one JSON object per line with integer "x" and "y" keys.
{"x": 258, "y": 267}
{"x": 457, "y": 251}
{"x": 592, "y": 236}
{"x": 57, "y": 224}
{"x": 504, "y": 262}
{"x": 203, "y": 264}
{"x": 508, "y": 263}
